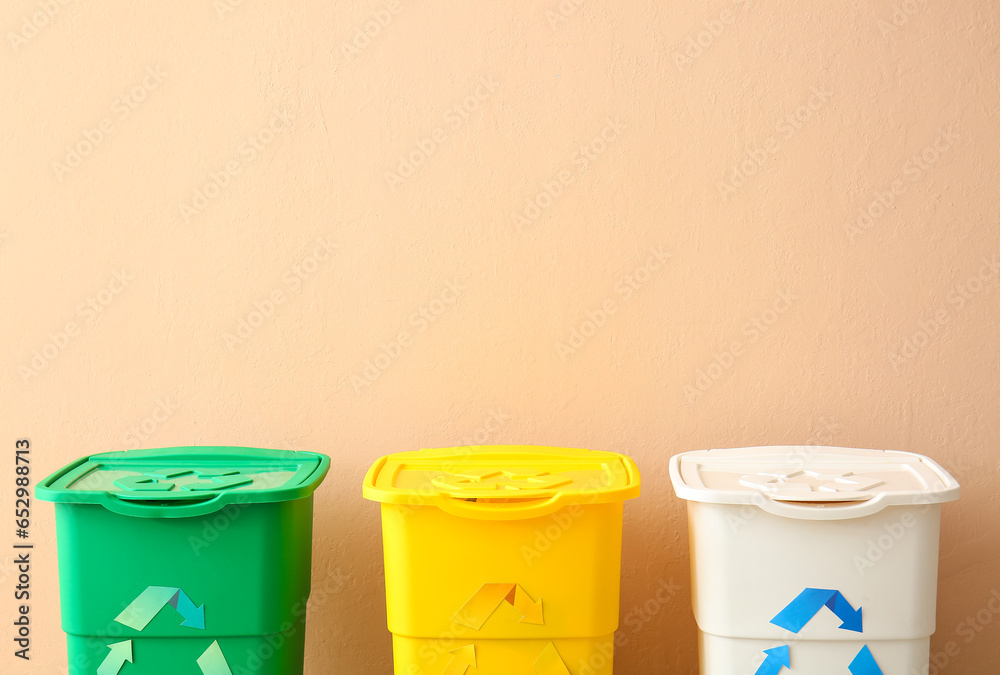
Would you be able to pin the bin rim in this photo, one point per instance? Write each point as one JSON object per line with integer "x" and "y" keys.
{"x": 308, "y": 468}
{"x": 511, "y": 505}
{"x": 940, "y": 486}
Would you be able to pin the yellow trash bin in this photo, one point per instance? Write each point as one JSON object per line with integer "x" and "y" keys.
{"x": 502, "y": 560}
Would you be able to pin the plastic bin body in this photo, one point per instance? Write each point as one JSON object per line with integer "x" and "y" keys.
{"x": 242, "y": 560}
{"x": 517, "y": 583}
{"x": 750, "y": 560}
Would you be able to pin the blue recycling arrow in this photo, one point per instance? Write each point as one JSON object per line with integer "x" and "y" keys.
{"x": 864, "y": 663}
{"x": 809, "y": 602}
{"x": 778, "y": 658}
{"x": 194, "y": 616}
{"x": 142, "y": 610}
{"x": 851, "y": 617}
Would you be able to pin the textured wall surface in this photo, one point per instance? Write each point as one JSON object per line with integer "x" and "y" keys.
{"x": 647, "y": 227}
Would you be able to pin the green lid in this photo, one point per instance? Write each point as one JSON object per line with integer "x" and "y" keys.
{"x": 186, "y": 481}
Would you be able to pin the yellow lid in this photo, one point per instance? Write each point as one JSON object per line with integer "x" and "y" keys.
{"x": 502, "y": 482}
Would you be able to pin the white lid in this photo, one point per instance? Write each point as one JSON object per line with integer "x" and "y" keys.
{"x": 834, "y": 481}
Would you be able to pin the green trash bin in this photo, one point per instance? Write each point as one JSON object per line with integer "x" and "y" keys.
{"x": 181, "y": 561}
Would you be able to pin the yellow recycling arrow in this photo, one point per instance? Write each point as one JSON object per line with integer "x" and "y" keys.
{"x": 462, "y": 659}
{"x": 486, "y": 483}
{"x": 489, "y": 598}
{"x": 531, "y": 611}
{"x": 550, "y": 663}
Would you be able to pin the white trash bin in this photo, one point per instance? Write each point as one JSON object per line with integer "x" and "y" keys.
{"x": 817, "y": 559}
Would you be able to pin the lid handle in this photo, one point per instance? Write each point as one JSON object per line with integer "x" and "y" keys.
{"x": 509, "y": 510}
{"x": 164, "y": 509}
{"x": 827, "y": 511}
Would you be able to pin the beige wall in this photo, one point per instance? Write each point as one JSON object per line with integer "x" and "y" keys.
{"x": 177, "y": 226}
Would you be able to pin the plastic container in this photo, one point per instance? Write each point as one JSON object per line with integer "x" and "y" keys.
{"x": 505, "y": 559}
{"x": 185, "y": 560}
{"x": 822, "y": 560}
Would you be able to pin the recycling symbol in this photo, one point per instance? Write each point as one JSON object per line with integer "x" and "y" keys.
{"x": 801, "y": 611}
{"x": 144, "y": 609}
{"x": 481, "y": 606}
{"x": 489, "y": 481}
{"x": 159, "y": 481}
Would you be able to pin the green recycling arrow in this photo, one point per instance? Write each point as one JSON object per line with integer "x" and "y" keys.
{"x": 142, "y": 484}
{"x": 116, "y": 658}
{"x": 213, "y": 661}
{"x": 149, "y": 603}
